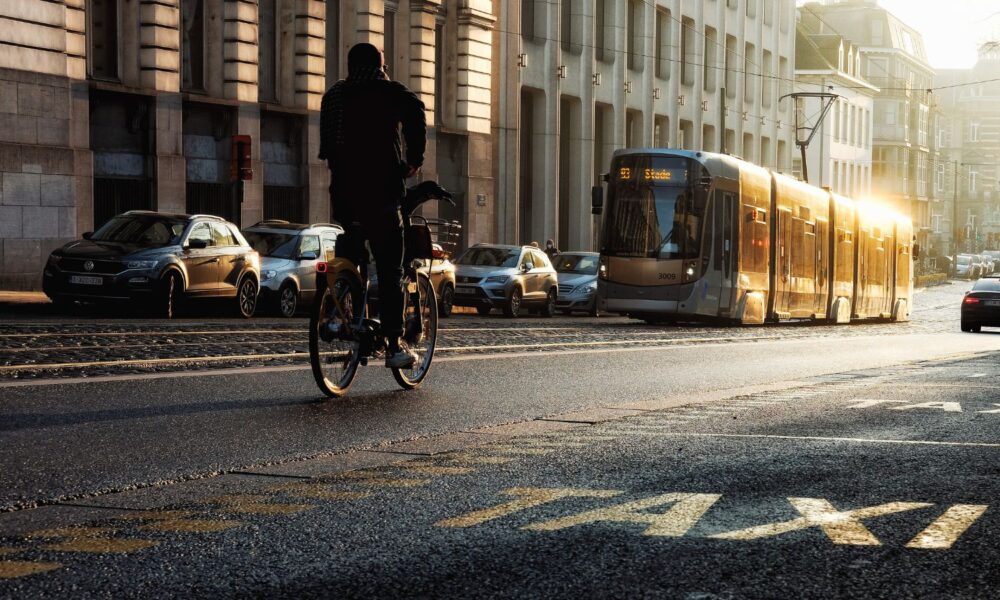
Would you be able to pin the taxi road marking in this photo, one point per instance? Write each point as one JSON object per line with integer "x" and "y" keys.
{"x": 842, "y": 527}
{"x": 687, "y": 509}
{"x": 526, "y": 498}
{"x": 945, "y": 531}
{"x": 908, "y": 405}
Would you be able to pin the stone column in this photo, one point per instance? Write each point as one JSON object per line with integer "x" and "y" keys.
{"x": 423, "y": 23}
{"x": 506, "y": 116}
{"x": 370, "y": 22}
{"x": 248, "y": 123}
{"x": 240, "y": 50}
{"x": 159, "y": 45}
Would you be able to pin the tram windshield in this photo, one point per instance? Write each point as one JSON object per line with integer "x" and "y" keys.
{"x": 653, "y": 212}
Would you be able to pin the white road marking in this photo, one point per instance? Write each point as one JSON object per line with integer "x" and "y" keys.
{"x": 826, "y": 439}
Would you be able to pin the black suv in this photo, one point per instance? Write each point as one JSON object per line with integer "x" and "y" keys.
{"x": 156, "y": 259}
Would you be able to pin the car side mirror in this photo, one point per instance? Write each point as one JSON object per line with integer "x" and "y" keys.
{"x": 526, "y": 268}
{"x": 88, "y": 234}
{"x": 197, "y": 244}
{"x": 597, "y": 199}
{"x": 308, "y": 256}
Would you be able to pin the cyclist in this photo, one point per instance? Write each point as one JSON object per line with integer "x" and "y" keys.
{"x": 360, "y": 119}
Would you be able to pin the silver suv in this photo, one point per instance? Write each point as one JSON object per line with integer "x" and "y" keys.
{"x": 289, "y": 253}
{"x": 510, "y": 278}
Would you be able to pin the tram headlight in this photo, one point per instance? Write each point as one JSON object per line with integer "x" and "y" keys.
{"x": 689, "y": 272}
{"x": 602, "y": 270}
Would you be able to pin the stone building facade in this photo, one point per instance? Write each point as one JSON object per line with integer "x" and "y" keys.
{"x": 840, "y": 154}
{"x": 111, "y": 105}
{"x": 576, "y": 80}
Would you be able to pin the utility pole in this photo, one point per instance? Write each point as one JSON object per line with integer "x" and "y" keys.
{"x": 954, "y": 215}
{"x": 800, "y": 128}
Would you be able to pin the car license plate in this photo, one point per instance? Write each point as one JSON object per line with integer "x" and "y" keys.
{"x": 83, "y": 280}
{"x": 992, "y": 303}
{"x": 465, "y": 289}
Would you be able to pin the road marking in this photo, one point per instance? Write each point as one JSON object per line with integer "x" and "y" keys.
{"x": 991, "y": 412}
{"x": 191, "y": 525}
{"x": 100, "y": 545}
{"x": 687, "y": 509}
{"x": 945, "y": 406}
{"x": 842, "y": 527}
{"x": 12, "y": 569}
{"x": 526, "y": 498}
{"x": 942, "y": 533}
{"x": 825, "y": 439}
{"x": 871, "y": 403}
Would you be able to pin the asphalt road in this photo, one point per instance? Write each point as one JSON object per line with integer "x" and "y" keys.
{"x": 708, "y": 462}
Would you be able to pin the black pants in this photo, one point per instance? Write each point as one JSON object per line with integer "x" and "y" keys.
{"x": 385, "y": 237}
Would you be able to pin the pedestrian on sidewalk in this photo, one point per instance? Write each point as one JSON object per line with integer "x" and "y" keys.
{"x": 551, "y": 250}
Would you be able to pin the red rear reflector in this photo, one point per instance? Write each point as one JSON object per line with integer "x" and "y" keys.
{"x": 321, "y": 267}
{"x": 971, "y": 301}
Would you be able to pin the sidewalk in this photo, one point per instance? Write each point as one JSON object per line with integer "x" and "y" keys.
{"x": 22, "y": 298}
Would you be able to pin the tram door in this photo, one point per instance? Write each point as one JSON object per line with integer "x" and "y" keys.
{"x": 727, "y": 227}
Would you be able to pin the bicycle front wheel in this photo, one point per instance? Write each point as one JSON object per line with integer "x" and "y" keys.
{"x": 420, "y": 326}
{"x": 334, "y": 350}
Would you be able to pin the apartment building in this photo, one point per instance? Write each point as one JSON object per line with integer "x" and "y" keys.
{"x": 576, "y": 80}
{"x": 111, "y": 105}
{"x": 839, "y": 156}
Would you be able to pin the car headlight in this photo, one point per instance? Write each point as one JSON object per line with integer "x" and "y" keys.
{"x": 53, "y": 260}
{"x": 268, "y": 275}
{"x": 142, "y": 264}
{"x": 590, "y": 288}
{"x": 498, "y": 279}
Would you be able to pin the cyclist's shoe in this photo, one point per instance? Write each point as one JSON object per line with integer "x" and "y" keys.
{"x": 404, "y": 358}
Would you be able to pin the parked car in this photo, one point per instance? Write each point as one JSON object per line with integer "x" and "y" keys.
{"x": 510, "y": 278}
{"x": 981, "y": 305}
{"x": 577, "y": 273}
{"x": 442, "y": 277}
{"x": 289, "y": 253}
{"x": 967, "y": 267}
{"x": 156, "y": 260}
{"x": 989, "y": 265}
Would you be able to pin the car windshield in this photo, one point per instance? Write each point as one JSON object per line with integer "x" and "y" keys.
{"x": 273, "y": 244}
{"x": 151, "y": 231}
{"x": 576, "y": 263}
{"x": 964, "y": 260}
{"x": 490, "y": 257}
{"x": 987, "y": 285}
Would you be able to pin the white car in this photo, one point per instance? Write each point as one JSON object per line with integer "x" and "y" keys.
{"x": 577, "y": 282}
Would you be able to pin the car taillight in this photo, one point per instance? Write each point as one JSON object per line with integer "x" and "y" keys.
{"x": 321, "y": 267}
{"x": 971, "y": 301}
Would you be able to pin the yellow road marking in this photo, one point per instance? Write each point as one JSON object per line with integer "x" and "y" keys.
{"x": 320, "y": 492}
{"x": 527, "y": 498}
{"x": 155, "y": 515}
{"x": 687, "y": 509}
{"x": 842, "y": 527}
{"x": 70, "y": 532}
{"x": 192, "y": 525}
{"x": 12, "y": 569}
{"x": 945, "y": 531}
{"x": 101, "y": 545}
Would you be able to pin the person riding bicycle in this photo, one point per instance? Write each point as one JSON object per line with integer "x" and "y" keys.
{"x": 360, "y": 119}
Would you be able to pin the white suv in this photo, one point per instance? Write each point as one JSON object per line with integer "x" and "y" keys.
{"x": 510, "y": 278}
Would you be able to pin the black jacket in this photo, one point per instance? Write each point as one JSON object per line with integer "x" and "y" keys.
{"x": 360, "y": 121}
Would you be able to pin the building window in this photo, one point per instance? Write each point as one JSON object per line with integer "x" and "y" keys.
{"x": 731, "y": 57}
{"x": 566, "y": 26}
{"x": 767, "y": 85}
{"x": 634, "y": 35}
{"x": 104, "y": 39}
{"x": 600, "y": 9}
{"x": 528, "y": 19}
{"x": 752, "y": 9}
{"x": 709, "y": 70}
{"x": 267, "y": 67}
{"x": 973, "y": 176}
{"x": 974, "y": 131}
{"x": 193, "y": 45}
{"x": 389, "y": 45}
{"x": 661, "y": 132}
{"x": 748, "y": 77}
{"x": 332, "y": 41}
{"x": 688, "y": 58}
{"x": 663, "y": 44}
{"x": 876, "y": 31}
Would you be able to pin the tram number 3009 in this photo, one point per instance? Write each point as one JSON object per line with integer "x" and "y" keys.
{"x": 668, "y": 276}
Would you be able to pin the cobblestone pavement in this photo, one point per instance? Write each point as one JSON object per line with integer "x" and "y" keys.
{"x": 41, "y": 348}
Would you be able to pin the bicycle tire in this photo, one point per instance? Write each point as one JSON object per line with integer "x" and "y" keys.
{"x": 410, "y": 379}
{"x": 320, "y": 351}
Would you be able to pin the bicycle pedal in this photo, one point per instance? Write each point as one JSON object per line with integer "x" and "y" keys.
{"x": 363, "y": 361}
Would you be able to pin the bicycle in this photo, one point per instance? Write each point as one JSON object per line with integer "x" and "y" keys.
{"x": 344, "y": 335}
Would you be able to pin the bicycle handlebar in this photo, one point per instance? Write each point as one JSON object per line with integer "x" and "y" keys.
{"x": 424, "y": 191}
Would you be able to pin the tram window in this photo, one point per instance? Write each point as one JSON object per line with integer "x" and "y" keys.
{"x": 804, "y": 213}
{"x": 761, "y": 216}
{"x": 810, "y": 228}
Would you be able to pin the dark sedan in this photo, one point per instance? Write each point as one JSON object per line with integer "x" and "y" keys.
{"x": 155, "y": 260}
{"x": 981, "y": 306}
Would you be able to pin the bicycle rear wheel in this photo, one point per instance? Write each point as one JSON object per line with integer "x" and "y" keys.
{"x": 423, "y": 339}
{"x": 335, "y": 352}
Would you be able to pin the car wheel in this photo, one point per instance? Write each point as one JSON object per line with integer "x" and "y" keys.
{"x": 513, "y": 307}
{"x": 246, "y": 297}
{"x": 549, "y": 308}
{"x": 484, "y": 310}
{"x": 169, "y": 296}
{"x": 447, "y": 300}
{"x": 288, "y": 300}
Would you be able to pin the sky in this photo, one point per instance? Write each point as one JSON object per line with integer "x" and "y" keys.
{"x": 952, "y": 30}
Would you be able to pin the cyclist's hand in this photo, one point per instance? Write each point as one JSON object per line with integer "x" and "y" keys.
{"x": 411, "y": 171}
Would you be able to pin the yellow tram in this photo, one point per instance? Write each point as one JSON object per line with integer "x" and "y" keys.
{"x": 702, "y": 236}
